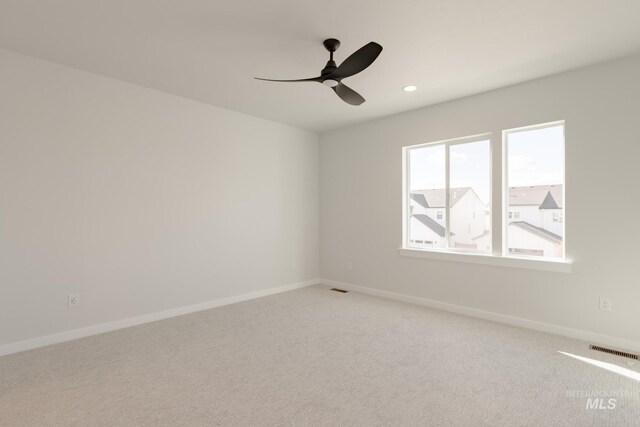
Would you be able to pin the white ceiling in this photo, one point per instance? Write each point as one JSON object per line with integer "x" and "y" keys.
{"x": 210, "y": 50}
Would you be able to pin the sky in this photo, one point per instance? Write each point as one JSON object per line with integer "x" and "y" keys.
{"x": 470, "y": 167}
{"x": 535, "y": 158}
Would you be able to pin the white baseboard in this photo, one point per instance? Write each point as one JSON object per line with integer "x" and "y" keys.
{"x": 619, "y": 343}
{"x": 147, "y": 318}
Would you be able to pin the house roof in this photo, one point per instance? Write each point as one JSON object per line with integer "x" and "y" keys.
{"x": 430, "y": 223}
{"x": 549, "y": 202}
{"x": 419, "y": 199}
{"x": 537, "y": 195}
{"x": 543, "y": 196}
{"x": 435, "y": 198}
{"x": 537, "y": 231}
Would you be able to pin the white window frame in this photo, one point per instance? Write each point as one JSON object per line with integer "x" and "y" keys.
{"x": 499, "y": 255}
{"x": 407, "y": 196}
{"x": 505, "y": 189}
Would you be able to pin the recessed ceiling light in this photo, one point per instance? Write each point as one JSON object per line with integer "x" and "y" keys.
{"x": 409, "y": 88}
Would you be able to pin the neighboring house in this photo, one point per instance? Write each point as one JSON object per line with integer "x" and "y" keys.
{"x": 535, "y": 217}
{"x": 535, "y": 220}
{"x": 468, "y": 215}
{"x": 526, "y": 239}
{"x": 430, "y": 203}
{"x": 540, "y": 206}
{"x": 428, "y": 218}
{"x": 483, "y": 241}
{"x": 426, "y": 232}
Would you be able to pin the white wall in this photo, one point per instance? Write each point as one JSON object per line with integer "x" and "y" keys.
{"x": 140, "y": 201}
{"x": 361, "y": 182}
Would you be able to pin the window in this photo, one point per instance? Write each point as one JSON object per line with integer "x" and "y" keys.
{"x": 535, "y": 186}
{"x": 447, "y": 184}
{"x": 448, "y": 197}
{"x": 557, "y": 217}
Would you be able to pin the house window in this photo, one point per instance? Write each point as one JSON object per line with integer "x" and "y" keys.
{"x": 510, "y": 215}
{"x": 449, "y": 180}
{"x": 535, "y": 186}
{"x": 557, "y": 217}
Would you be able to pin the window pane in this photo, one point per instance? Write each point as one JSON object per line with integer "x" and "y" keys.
{"x": 535, "y": 180}
{"x": 469, "y": 196}
{"x": 426, "y": 185}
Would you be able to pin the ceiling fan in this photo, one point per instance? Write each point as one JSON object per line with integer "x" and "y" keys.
{"x": 332, "y": 75}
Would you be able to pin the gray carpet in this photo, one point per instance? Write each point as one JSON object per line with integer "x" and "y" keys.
{"x": 316, "y": 357}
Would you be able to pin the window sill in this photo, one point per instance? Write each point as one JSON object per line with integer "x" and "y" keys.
{"x": 560, "y": 266}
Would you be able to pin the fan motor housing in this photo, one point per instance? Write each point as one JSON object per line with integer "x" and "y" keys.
{"x": 329, "y": 68}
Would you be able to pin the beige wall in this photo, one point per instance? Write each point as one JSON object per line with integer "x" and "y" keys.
{"x": 140, "y": 201}
{"x": 361, "y": 183}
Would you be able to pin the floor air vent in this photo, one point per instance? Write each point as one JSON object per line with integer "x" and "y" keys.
{"x": 342, "y": 291}
{"x": 616, "y": 352}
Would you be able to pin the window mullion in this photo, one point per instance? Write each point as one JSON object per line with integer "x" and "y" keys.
{"x": 498, "y": 193}
{"x": 447, "y": 194}
{"x": 407, "y": 197}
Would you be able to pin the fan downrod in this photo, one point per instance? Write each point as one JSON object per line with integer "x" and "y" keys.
{"x": 331, "y": 45}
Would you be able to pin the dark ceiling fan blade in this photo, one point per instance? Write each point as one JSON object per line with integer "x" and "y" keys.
{"x": 348, "y": 95}
{"x": 358, "y": 61}
{"x": 313, "y": 79}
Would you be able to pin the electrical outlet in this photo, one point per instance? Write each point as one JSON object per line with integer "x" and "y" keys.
{"x": 605, "y": 304}
{"x": 349, "y": 265}
{"x": 74, "y": 300}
